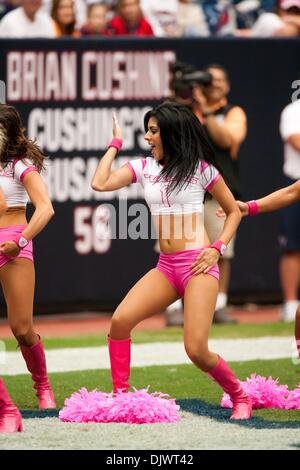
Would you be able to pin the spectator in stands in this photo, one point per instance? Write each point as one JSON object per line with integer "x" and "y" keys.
{"x": 226, "y": 125}
{"x": 27, "y": 21}
{"x": 130, "y": 20}
{"x": 8, "y": 5}
{"x": 283, "y": 22}
{"x": 247, "y": 12}
{"x": 162, "y": 15}
{"x": 110, "y": 4}
{"x": 80, "y": 7}
{"x": 191, "y": 19}
{"x": 220, "y": 16}
{"x": 64, "y": 19}
{"x": 290, "y": 226}
{"x": 96, "y": 20}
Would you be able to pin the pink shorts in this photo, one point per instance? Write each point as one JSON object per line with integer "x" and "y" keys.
{"x": 9, "y": 233}
{"x": 177, "y": 268}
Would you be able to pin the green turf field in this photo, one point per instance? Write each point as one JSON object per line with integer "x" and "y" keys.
{"x": 167, "y": 334}
{"x": 204, "y": 425}
{"x": 184, "y": 382}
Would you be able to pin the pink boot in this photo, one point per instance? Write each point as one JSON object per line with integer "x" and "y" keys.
{"x": 10, "y": 416}
{"x": 119, "y": 353}
{"x": 225, "y": 377}
{"x": 36, "y": 364}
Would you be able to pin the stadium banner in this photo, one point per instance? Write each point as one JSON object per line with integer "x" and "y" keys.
{"x": 99, "y": 244}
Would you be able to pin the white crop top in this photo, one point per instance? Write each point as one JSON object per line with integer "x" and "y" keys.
{"x": 188, "y": 200}
{"x": 11, "y": 181}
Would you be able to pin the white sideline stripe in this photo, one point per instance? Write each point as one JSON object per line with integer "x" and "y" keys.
{"x": 150, "y": 354}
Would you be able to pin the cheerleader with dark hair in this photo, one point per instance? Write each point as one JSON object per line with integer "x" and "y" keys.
{"x": 176, "y": 177}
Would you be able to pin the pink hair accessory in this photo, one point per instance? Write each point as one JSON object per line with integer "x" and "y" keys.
{"x": 252, "y": 208}
{"x": 116, "y": 143}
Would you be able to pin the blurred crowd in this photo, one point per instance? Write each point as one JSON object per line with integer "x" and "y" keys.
{"x": 161, "y": 18}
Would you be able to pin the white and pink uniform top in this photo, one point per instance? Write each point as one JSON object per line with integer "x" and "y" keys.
{"x": 11, "y": 181}
{"x": 186, "y": 201}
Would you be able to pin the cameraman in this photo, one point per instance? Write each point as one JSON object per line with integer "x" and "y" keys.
{"x": 226, "y": 125}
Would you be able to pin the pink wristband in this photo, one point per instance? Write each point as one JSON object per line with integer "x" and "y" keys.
{"x": 116, "y": 143}
{"x": 252, "y": 208}
{"x": 219, "y": 246}
{"x": 21, "y": 241}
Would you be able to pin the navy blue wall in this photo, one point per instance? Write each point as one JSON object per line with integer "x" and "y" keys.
{"x": 261, "y": 72}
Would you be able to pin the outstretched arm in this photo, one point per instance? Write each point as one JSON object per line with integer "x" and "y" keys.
{"x": 281, "y": 198}
{"x": 105, "y": 179}
{"x": 272, "y": 202}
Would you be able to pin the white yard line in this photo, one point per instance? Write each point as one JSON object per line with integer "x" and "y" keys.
{"x": 75, "y": 359}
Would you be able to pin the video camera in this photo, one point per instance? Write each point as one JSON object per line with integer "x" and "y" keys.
{"x": 185, "y": 77}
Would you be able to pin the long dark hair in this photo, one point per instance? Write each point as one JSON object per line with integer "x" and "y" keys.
{"x": 66, "y": 30}
{"x": 184, "y": 142}
{"x": 13, "y": 142}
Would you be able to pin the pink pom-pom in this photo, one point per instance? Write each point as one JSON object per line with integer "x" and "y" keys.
{"x": 293, "y": 401}
{"x": 264, "y": 393}
{"x": 226, "y": 401}
{"x": 267, "y": 393}
{"x": 136, "y": 407}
